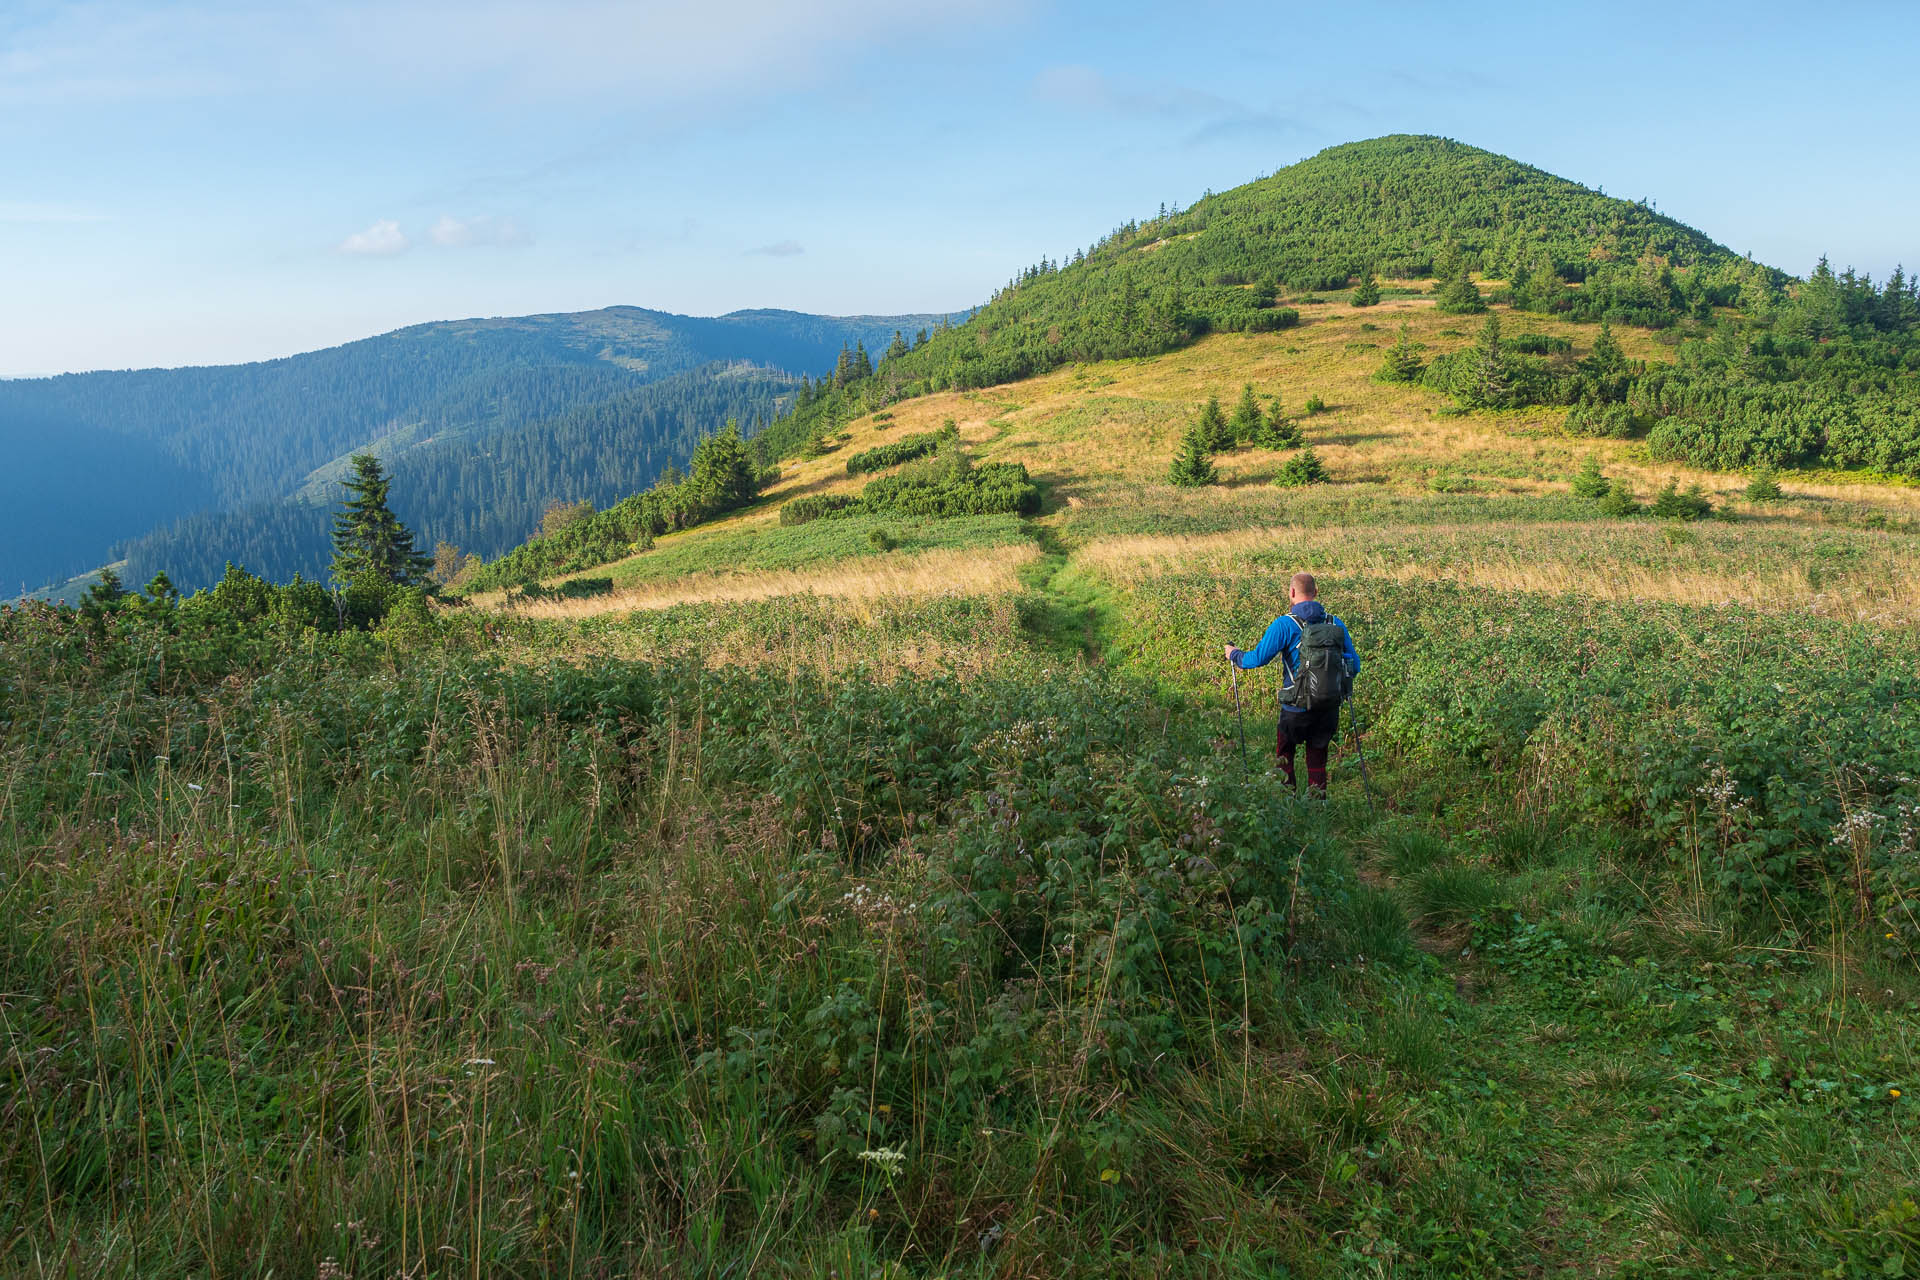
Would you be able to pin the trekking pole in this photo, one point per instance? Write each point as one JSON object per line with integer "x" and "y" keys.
{"x": 1239, "y": 716}
{"x": 1360, "y": 754}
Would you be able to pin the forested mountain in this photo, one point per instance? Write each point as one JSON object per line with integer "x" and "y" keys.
{"x": 1769, "y": 370}
{"x": 483, "y": 492}
{"x": 126, "y": 450}
{"x": 1399, "y": 206}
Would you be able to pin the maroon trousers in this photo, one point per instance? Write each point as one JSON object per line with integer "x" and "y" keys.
{"x": 1314, "y": 730}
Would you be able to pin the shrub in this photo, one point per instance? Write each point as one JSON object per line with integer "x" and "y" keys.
{"x": 815, "y": 507}
{"x": 1402, "y": 363}
{"x": 1193, "y": 465}
{"x": 1277, "y": 431}
{"x": 905, "y": 449}
{"x": 881, "y": 540}
{"x": 1764, "y": 487}
{"x": 1612, "y": 421}
{"x": 1303, "y": 468}
{"x": 1315, "y": 405}
{"x": 560, "y": 514}
{"x": 1367, "y": 292}
{"x": 1672, "y": 504}
{"x": 1540, "y": 344}
{"x": 1270, "y": 320}
{"x": 1459, "y": 296}
{"x": 1247, "y": 418}
{"x": 1618, "y": 501}
{"x": 571, "y": 589}
{"x": 1212, "y": 427}
{"x": 1591, "y": 482}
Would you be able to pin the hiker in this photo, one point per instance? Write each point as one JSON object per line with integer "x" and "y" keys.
{"x": 1320, "y": 662}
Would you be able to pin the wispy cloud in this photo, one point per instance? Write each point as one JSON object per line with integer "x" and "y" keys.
{"x": 1208, "y": 116}
{"x": 381, "y": 240}
{"x": 1091, "y": 90}
{"x": 778, "y": 249}
{"x": 464, "y": 233}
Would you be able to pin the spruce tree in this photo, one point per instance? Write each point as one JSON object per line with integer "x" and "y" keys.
{"x": 1591, "y": 482}
{"x": 1458, "y": 295}
{"x": 107, "y": 590}
{"x": 1607, "y": 356}
{"x": 1764, "y": 487}
{"x": 1303, "y": 468}
{"x": 1277, "y": 430}
{"x": 1246, "y": 416}
{"x": 1490, "y": 386}
{"x": 368, "y": 538}
{"x": 1193, "y": 465}
{"x": 1544, "y": 291}
{"x": 1367, "y": 293}
{"x": 723, "y": 475}
{"x": 1212, "y": 425}
{"x": 1402, "y": 362}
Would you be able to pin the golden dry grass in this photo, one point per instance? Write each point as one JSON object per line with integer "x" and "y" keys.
{"x": 984, "y": 571}
{"x": 1874, "y": 577}
{"x": 1085, "y": 428}
{"x": 1101, "y": 436}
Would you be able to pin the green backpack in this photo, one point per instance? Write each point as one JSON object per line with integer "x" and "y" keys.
{"x": 1321, "y": 678}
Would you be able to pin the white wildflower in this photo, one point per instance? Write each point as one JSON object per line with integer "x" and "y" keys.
{"x": 889, "y": 1159}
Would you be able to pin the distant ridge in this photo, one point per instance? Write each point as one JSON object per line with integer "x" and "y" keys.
{"x": 100, "y": 459}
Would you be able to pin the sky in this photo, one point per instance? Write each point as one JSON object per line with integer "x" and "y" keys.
{"x": 207, "y": 181}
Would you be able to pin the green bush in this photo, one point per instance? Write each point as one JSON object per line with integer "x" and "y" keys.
{"x": 1673, "y": 504}
{"x": 1618, "y": 501}
{"x": 1764, "y": 487}
{"x": 816, "y": 507}
{"x": 1591, "y": 483}
{"x": 1193, "y": 466}
{"x": 571, "y": 589}
{"x": 905, "y": 449}
{"x": 1303, "y": 468}
{"x": 1613, "y": 421}
{"x": 1402, "y": 363}
{"x": 944, "y": 486}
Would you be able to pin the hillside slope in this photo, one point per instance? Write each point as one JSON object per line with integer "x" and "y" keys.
{"x": 1400, "y": 206}
{"x": 1416, "y": 484}
{"x": 225, "y": 437}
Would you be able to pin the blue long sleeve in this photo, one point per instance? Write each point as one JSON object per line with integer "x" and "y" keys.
{"x": 1282, "y": 640}
{"x": 1282, "y": 636}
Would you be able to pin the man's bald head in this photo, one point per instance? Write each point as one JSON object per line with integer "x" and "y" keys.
{"x": 1303, "y": 587}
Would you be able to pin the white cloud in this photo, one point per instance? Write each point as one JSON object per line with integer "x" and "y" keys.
{"x": 779, "y": 249}
{"x": 381, "y": 240}
{"x": 461, "y": 233}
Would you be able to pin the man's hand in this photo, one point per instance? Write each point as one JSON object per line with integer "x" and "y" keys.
{"x": 1230, "y": 652}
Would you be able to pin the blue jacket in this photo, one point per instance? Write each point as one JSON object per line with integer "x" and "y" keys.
{"x": 1282, "y": 640}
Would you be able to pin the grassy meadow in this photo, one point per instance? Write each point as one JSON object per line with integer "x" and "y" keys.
{"x": 824, "y": 905}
